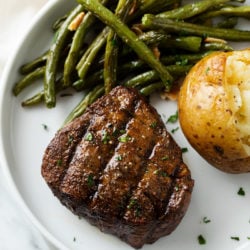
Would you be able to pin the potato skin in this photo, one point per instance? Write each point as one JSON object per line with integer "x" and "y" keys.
{"x": 206, "y": 118}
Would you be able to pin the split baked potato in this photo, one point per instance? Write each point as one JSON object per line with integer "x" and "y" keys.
{"x": 214, "y": 109}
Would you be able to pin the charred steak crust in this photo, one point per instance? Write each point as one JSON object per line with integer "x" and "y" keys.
{"x": 118, "y": 167}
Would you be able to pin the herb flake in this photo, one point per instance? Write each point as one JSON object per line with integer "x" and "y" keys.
{"x": 206, "y": 220}
{"x": 88, "y": 137}
{"x": 45, "y": 127}
{"x": 165, "y": 158}
{"x": 118, "y": 157}
{"x": 59, "y": 162}
{"x": 105, "y": 137}
{"x": 174, "y": 130}
{"x": 235, "y": 238}
{"x": 160, "y": 173}
{"x": 241, "y": 192}
{"x": 207, "y": 70}
{"x": 124, "y": 138}
{"x": 90, "y": 181}
{"x": 153, "y": 124}
{"x": 70, "y": 139}
{"x": 173, "y": 118}
{"x": 184, "y": 150}
{"x": 201, "y": 239}
{"x": 133, "y": 204}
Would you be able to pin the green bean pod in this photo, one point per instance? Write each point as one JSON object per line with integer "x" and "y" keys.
{"x": 111, "y": 52}
{"x": 84, "y": 103}
{"x": 129, "y": 38}
{"x": 151, "y": 88}
{"x": 28, "y": 80}
{"x": 34, "y": 64}
{"x": 76, "y": 45}
{"x": 53, "y": 58}
{"x": 91, "y": 53}
{"x": 34, "y": 100}
{"x": 151, "y": 75}
{"x": 152, "y": 22}
{"x": 190, "y": 10}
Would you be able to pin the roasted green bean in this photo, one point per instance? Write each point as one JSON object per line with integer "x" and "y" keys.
{"x": 90, "y": 54}
{"x": 151, "y": 75}
{"x": 53, "y": 59}
{"x": 152, "y": 22}
{"x": 28, "y": 80}
{"x": 128, "y": 38}
{"x": 85, "y": 102}
{"x": 34, "y": 100}
{"x": 32, "y": 65}
{"x": 190, "y": 10}
{"x": 151, "y": 88}
{"x": 111, "y": 52}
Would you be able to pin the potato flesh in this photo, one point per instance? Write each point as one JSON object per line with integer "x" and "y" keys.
{"x": 237, "y": 85}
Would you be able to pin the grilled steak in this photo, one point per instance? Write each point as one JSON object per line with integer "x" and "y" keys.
{"x": 117, "y": 166}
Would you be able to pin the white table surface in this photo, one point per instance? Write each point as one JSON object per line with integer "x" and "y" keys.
{"x": 16, "y": 231}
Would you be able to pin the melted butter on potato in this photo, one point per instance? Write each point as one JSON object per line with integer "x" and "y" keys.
{"x": 214, "y": 110}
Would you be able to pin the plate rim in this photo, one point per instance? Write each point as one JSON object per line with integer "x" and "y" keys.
{"x": 4, "y": 163}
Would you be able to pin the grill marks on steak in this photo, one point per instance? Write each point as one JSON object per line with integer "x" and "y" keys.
{"x": 95, "y": 148}
{"x": 122, "y": 176}
{"x": 119, "y": 167}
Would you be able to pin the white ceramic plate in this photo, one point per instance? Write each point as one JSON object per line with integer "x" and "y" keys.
{"x": 23, "y": 140}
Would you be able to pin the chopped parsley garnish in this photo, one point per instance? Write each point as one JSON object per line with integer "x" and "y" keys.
{"x": 133, "y": 204}
{"x": 176, "y": 188}
{"x": 165, "y": 158}
{"x": 118, "y": 157}
{"x": 124, "y": 138}
{"x": 206, "y": 220}
{"x": 174, "y": 130}
{"x": 59, "y": 162}
{"x": 90, "y": 181}
{"x": 241, "y": 191}
{"x": 173, "y": 118}
{"x": 235, "y": 238}
{"x": 105, "y": 137}
{"x": 70, "y": 139}
{"x": 160, "y": 173}
{"x": 88, "y": 137}
{"x": 184, "y": 150}
{"x": 153, "y": 124}
{"x": 201, "y": 240}
{"x": 207, "y": 70}
{"x": 45, "y": 127}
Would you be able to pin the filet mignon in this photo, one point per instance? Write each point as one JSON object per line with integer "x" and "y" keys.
{"x": 118, "y": 167}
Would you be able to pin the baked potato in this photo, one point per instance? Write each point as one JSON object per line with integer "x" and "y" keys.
{"x": 214, "y": 110}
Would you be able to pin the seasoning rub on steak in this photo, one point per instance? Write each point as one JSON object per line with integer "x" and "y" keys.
{"x": 118, "y": 167}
